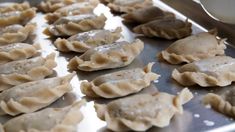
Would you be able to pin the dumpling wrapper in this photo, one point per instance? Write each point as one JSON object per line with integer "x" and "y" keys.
{"x": 73, "y": 9}
{"x": 147, "y": 14}
{"x": 119, "y": 84}
{"x": 16, "y": 33}
{"x": 109, "y": 56}
{"x": 165, "y": 28}
{"x": 17, "y": 17}
{"x": 18, "y": 72}
{"x": 32, "y": 96}
{"x": 47, "y": 6}
{"x": 223, "y": 103}
{"x": 15, "y": 7}
{"x": 47, "y": 120}
{"x": 213, "y": 71}
{"x": 142, "y": 111}
{"x": 17, "y": 51}
{"x": 71, "y": 25}
{"x": 194, "y": 48}
{"x": 125, "y": 6}
{"x": 82, "y": 42}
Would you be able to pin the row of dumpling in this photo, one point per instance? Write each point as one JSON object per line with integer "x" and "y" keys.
{"x": 23, "y": 86}
{"x": 151, "y": 21}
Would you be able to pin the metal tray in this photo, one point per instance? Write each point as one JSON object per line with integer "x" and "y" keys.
{"x": 196, "y": 116}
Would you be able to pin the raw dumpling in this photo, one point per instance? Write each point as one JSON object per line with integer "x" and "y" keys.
{"x": 142, "y": 111}
{"x": 52, "y": 5}
{"x": 71, "y": 25}
{"x": 193, "y": 48}
{"x": 14, "y": 7}
{"x": 17, "y": 51}
{"x": 213, "y": 71}
{"x": 82, "y": 42}
{"x": 147, "y": 14}
{"x": 47, "y": 120}
{"x": 125, "y": 6}
{"x": 32, "y": 96}
{"x": 109, "y": 56}
{"x": 74, "y": 9}
{"x": 18, "y": 72}
{"x": 165, "y": 28}
{"x": 224, "y": 103}
{"x": 17, "y": 17}
{"x": 16, "y": 33}
{"x": 119, "y": 83}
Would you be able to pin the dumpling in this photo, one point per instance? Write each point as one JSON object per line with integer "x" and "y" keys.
{"x": 142, "y": 111}
{"x": 109, "y": 56}
{"x": 52, "y": 5}
{"x": 147, "y": 14}
{"x": 71, "y": 25}
{"x": 74, "y": 9}
{"x": 125, "y": 6}
{"x": 47, "y": 120}
{"x": 213, "y": 71}
{"x": 16, "y": 33}
{"x": 14, "y": 7}
{"x": 18, "y": 72}
{"x": 193, "y": 48}
{"x": 32, "y": 96}
{"x": 223, "y": 103}
{"x": 82, "y": 42}
{"x": 165, "y": 28}
{"x": 119, "y": 83}
{"x": 17, "y": 17}
{"x": 17, "y": 51}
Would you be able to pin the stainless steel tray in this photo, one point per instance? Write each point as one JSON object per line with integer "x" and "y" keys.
{"x": 196, "y": 116}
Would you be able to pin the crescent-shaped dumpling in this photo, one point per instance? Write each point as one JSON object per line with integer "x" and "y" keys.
{"x": 17, "y": 51}
{"x": 109, "y": 56}
{"x": 47, "y": 120}
{"x": 71, "y": 25}
{"x": 213, "y": 71}
{"x": 193, "y": 48}
{"x": 32, "y": 96}
{"x": 142, "y": 111}
{"x": 73, "y": 9}
{"x": 16, "y": 33}
{"x": 22, "y": 71}
{"x": 121, "y": 83}
{"x": 167, "y": 28}
{"x": 147, "y": 14}
{"x": 17, "y": 17}
{"x": 14, "y": 7}
{"x": 82, "y": 42}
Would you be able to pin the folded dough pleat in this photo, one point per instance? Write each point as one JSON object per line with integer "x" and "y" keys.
{"x": 223, "y": 103}
{"x": 71, "y": 25}
{"x": 119, "y": 83}
{"x": 82, "y": 42}
{"x": 147, "y": 14}
{"x": 126, "y": 6}
{"x": 32, "y": 96}
{"x": 213, "y": 71}
{"x": 17, "y": 17}
{"x": 109, "y": 56}
{"x": 142, "y": 111}
{"x": 73, "y": 9}
{"x": 17, "y": 51}
{"x": 165, "y": 28}
{"x": 16, "y": 33}
{"x": 194, "y": 48}
{"x": 47, "y": 120}
{"x": 18, "y": 72}
{"x": 15, "y": 7}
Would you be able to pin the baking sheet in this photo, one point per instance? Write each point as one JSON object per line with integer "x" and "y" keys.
{"x": 196, "y": 116}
